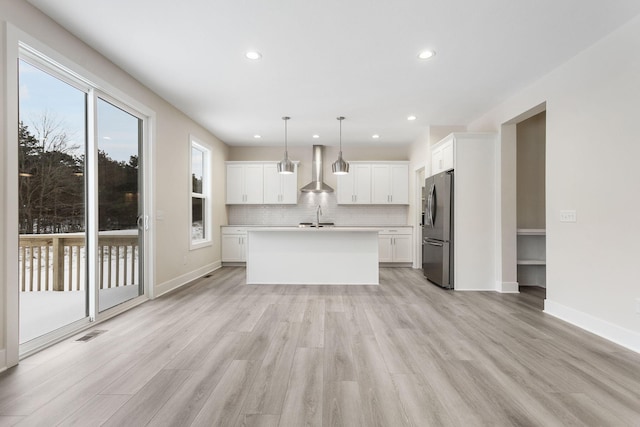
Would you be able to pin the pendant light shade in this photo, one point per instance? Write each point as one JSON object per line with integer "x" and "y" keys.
{"x": 340, "y": 167}
{"x": 286, "y": 166}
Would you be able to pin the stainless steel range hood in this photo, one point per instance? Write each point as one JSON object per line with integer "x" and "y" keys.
{"x": 317, "y": 184}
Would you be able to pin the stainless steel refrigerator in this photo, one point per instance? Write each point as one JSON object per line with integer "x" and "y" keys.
{"x": 437, "y": 230}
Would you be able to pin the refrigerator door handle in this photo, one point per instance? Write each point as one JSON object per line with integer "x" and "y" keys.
{"x": 432, "y": 243}
{"x": 431, "y": 205}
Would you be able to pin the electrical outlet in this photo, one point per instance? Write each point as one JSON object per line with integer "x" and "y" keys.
{"x": 568, "y": 216}
{"x": 184, "y": 260}
{"x": 637, "y": 305}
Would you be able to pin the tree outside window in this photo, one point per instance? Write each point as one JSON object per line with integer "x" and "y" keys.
{"x": 200, "y": 199}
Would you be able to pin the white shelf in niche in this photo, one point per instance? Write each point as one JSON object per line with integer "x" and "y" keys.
{"x": 531, "y": 231}
{"x": 531, "y": 246}
{"x": 531, "y": 262}
{"x": 531, "y": 256}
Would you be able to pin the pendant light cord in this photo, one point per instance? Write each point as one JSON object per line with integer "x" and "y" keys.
{"x": 340, "y": 136}
{"x": 286, "y": 118}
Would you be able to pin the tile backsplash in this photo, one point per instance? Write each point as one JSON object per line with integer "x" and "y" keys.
{"x": 305, "y": 211}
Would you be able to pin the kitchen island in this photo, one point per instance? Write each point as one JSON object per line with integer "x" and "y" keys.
{"x": 312, "y": 256}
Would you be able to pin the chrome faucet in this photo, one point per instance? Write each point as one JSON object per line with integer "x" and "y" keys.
{"x": 318, "y": 213}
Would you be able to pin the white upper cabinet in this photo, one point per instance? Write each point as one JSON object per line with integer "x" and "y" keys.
{"x": 390, "y": 183}
{"x": 442, "y": 156}
{"x": 355, "y": 187}
{"x": 245, "y": 183}
{"x": 375, "y": 183}
{"x": 280, "y": 189}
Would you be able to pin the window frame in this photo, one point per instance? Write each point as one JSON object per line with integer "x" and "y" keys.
{"x": 205, "y": 195}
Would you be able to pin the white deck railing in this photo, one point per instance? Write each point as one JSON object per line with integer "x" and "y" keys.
{"x": 57, "y": 262}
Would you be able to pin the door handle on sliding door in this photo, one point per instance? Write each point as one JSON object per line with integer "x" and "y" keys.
{"x": 143, "y": 222}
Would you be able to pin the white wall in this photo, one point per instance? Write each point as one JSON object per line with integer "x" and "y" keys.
{"x": 530, "y": 172}
{"x": 592, "y": 152}
{"x": 171, "y": 146}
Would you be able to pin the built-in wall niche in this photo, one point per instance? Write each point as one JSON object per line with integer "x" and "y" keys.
{"x": 531, "y": 227}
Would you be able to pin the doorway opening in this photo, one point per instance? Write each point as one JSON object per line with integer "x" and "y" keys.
{"x": 530, "y": 205}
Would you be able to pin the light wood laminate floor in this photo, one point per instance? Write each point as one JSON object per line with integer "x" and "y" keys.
{"x": 405, "y": 353}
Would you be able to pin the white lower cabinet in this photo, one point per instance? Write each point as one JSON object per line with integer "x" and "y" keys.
{"x": 395, "y": 245}
{"x": 234, "y": 241}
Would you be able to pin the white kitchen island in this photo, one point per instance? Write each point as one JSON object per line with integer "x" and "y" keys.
{"x": 312, "y": 256}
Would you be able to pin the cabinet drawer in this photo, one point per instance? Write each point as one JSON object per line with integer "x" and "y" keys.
{"x": 396, "y": 230}
{"x": 234, "y": 230}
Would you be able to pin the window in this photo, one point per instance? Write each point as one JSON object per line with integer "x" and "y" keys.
{"x": 200, "y": 198}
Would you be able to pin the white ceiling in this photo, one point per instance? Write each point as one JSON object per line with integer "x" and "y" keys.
{"x": 322, "y": 59}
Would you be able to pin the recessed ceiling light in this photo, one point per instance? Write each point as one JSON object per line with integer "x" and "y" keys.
{"x": 252, "y": 54}
{"x": 411, "y": 118}
{"x": 257, "y": 136}
{"x": 426, "y": 54}
{"x": 376, "y": 136}
{"x": 316, "y": 136}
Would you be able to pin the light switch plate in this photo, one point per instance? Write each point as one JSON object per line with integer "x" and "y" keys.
{"x": 568, "y": 216}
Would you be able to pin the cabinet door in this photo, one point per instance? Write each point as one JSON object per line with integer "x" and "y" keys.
{"x": 253, "y": 185}
{"x": 235, "y": 184}
{"x": 385, "y": 252}
{"x": 447, "y": 155}
{"x": 436, "y": 161}
{"x": 233, "y": 248}
{"x": 272, "y": 184}
{"x": 362, "y": 184}
{"x": 402, "y": 248}
{"x": 346, "y": 187}
{"x": 289, "y": 188}
{"x": 399, "y": 192}
{"x": 380, "y": 184}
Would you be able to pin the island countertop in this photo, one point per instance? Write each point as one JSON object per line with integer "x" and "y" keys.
{"x": 333, "y": 228}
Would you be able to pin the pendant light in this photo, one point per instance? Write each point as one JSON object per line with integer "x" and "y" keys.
{"x": 286, "y": 166}
{"x": 340, "y": 167}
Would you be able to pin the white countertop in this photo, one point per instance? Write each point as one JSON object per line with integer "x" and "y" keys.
{"x": 316, "y": 229}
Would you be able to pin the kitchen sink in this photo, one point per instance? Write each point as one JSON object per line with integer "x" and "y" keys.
{"x": 311, "y": 224}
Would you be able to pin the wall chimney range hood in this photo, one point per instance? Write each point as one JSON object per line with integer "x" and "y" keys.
{"x": 317, "y": 184}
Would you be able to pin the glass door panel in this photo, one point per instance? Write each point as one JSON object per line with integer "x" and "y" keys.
{"x": 51, "y": 194}
{"x": 119, "y": 142}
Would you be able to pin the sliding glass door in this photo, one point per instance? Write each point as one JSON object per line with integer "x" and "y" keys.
{"x": 51, "y": 194}
{"x": 80, "y": 180}
{"x": 120, "y": 207}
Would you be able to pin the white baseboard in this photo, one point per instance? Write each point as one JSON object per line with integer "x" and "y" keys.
{"x": 3, "y": 360}
{"x": 508, "y": 287}
{"x": 179, "y": 281}
{"x": 617, "y": 334}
